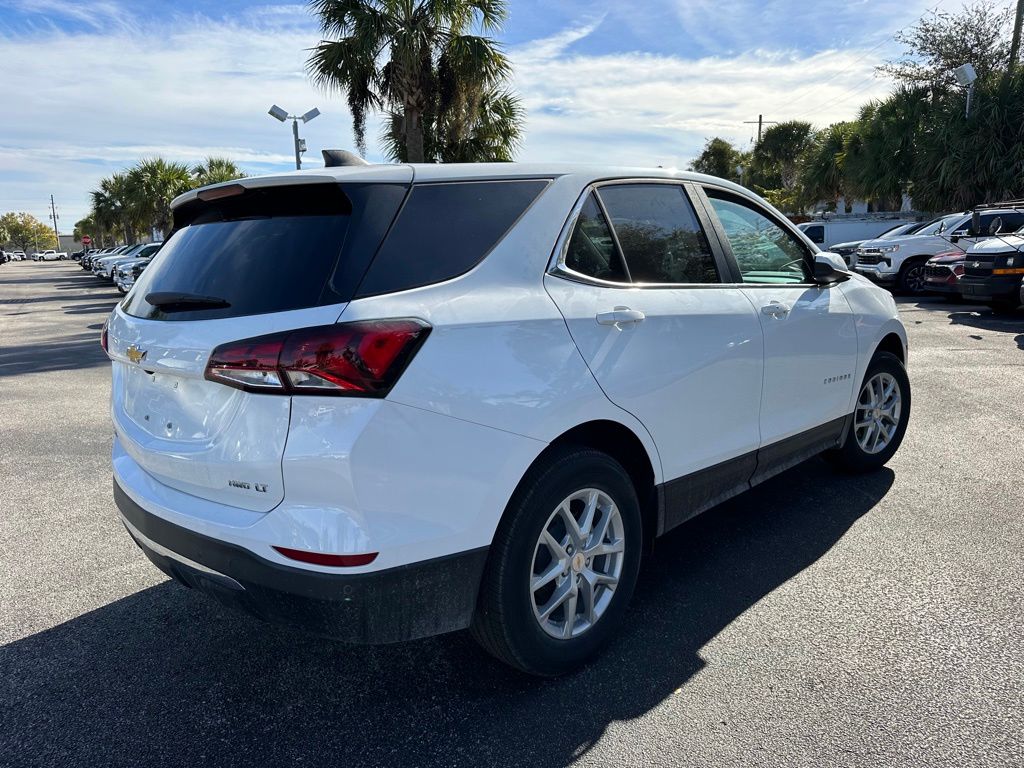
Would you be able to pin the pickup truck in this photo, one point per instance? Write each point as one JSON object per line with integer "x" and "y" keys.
{"x": 49, "y": 255}
{"x": 899, "y": 262}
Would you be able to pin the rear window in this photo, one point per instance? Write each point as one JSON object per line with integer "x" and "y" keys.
{"x": 446, "y": 229}
{"x": 269, "y": 250}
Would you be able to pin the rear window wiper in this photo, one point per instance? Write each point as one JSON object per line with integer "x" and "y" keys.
{"x": 172, "y": 301}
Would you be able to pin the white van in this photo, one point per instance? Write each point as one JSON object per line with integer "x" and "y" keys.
{"x": 825, "y": 234}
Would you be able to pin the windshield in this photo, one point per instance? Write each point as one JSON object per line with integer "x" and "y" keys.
{"x": 941, "y": 224}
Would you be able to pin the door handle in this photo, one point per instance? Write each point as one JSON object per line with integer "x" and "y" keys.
{"x": 775, "y": 309}
{"x": 620, "y": 316}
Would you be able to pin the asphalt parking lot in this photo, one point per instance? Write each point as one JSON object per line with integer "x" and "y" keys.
{"x": 818, "y": 620}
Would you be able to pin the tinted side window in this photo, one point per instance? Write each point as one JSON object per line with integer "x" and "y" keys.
{"x": 661, "y": 239}
{"x": 764, "y": 251}
{"x": 591, "y": 250}
{"x": 816, "y": 233}
{"x": 444, "y": 230}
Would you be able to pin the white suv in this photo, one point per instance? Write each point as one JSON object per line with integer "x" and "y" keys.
{"x": 387, "y": 402}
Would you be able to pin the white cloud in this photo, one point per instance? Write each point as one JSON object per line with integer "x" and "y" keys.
{"x": 81, "y": 105}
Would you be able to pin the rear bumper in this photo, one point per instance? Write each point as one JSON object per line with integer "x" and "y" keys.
{"x": 390, "y": 605}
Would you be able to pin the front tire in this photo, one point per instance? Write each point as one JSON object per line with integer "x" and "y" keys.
{"x": 912, "y": 278}
{"x": 563, "y": 564}
{"x": 880, "y": 417}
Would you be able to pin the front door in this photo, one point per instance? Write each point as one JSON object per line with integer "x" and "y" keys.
{"x": 665, "y": 339}
{"x": 810, "y": 337}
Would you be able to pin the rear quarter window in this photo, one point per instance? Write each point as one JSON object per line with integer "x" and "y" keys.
{"x": 446, "y": 229}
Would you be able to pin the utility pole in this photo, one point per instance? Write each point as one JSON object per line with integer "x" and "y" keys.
{"x": 53, "y": 215}
{"x": 761, "y": 122}
{"x": 1015, "y": 44}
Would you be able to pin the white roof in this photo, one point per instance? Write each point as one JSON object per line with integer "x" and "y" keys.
{"x": 426, "y": 172}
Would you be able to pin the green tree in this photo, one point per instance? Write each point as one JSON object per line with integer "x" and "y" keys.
{"x": 154, "y": 183}
{"x": 777, "y": 154}
{"x": 881, "y": 150}
{"x": 26, "y": 233}
{"x": 821, "y": 169}
{"x": 113, "y": 206}
{"x": 941, "y": 41}
{"x": 961, "y": 162}
{"x": 214, "y": 170}
{"x": 720, "y": 158}
{"x": 441, "y": 88}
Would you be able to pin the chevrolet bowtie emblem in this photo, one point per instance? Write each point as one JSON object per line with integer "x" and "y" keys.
{"x": 135, "y": 354}
{"x": 976, "y": 264}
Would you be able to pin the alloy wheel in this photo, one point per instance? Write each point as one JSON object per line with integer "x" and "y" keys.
{"x": 878, "y": 413}
{"x": 914, "y": 279}
{"x": 577, "y": 563}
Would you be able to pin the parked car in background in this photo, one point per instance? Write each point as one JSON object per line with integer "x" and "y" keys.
{"x": 942, "y": 273}
{"x": 18, "y": 256}
{"x": 49, "y": 255}
{"x": 472, "y": 405}
{"x": 848, "y": 250}
{"x": 899, "y": 262}
{"x": 104, "y": 266}
{"x": 125, "y": 271}
{"x": 993, "y": 270}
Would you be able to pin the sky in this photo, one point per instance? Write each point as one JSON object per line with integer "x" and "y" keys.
{"x": 87, "y": 87}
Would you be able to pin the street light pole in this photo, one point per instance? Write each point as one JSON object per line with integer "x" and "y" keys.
{"x": 300, "y": 145}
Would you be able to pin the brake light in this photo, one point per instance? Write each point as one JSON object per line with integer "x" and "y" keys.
{"x": 360, "y": 359}
{"x": 103, "y": 336}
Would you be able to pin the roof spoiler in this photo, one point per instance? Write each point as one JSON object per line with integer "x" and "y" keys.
{"x": 338, "y": 158}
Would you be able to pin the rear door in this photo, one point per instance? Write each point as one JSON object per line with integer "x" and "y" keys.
{"x": 810, "y": 336}
{"x": 261, "y": 261}
{"x": 642, "y": 294}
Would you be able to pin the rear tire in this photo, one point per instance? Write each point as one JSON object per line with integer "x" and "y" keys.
{"x": 520, "y": 616}
{"x": 880, "y": 417}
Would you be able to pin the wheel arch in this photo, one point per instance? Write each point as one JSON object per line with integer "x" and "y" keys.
{"x": 893, "y": 344}
{"x": 626, "y": 447}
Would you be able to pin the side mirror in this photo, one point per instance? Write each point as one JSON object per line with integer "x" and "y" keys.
{"x": 829, "y": 268}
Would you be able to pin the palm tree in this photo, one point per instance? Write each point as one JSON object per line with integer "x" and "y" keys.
{"x": 881, "y": 150}
{"x": 155, "y": 182}
{"x": 416, "y": 61}
{"x": 215, "y": 170}
{"x": 821, "y": 166}
{"x": 113, "y": 206}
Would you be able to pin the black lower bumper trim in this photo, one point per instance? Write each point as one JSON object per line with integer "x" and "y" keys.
{"x": 403, "y": 603}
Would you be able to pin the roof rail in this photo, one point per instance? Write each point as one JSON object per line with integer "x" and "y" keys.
{"x": 1019, "y": 203}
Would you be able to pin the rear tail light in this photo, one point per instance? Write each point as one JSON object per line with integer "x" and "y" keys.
{"x": 103, "y": 336}
{"x": 360, "y": 359}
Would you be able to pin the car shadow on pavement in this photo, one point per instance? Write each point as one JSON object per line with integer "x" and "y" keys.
{"x": 986, "y": 320}
{"x": 73, "y": 352}
{"x": 168, "y": 677}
